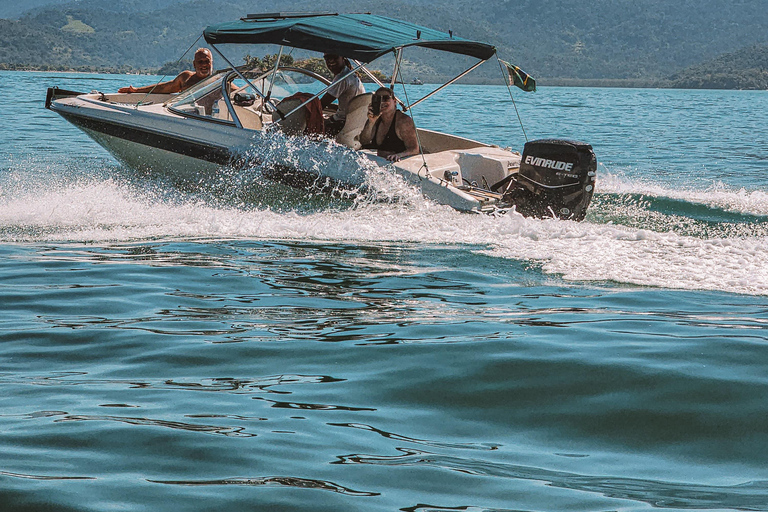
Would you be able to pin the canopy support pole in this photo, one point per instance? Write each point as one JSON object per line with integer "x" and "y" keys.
{"x": 274, "y": 73}
{"x": 376, "y": 80}
{"x": 225, "y": 97}
{"x": 396, "y": 71}
{"x": 368, "y": 72}
{"x": 446, "y": 84}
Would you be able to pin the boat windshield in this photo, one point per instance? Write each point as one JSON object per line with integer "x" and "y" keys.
{"x": 205, "y": 98}
{"x": 286, "y": 82}
{"x": 199, "y": 99}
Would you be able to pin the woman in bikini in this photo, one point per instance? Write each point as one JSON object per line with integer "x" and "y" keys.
{"x": 391, "y": 132}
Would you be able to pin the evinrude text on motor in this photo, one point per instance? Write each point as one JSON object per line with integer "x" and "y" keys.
{"x": 556, "y": 179}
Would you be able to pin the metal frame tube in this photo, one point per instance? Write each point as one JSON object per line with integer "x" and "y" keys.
{"x": 376, "y": 80}
{"x": 446, "y": 84}
{"x": 274, "y": 72}
{"x": 225, "y": 96}
{"x": 395, "y": 71}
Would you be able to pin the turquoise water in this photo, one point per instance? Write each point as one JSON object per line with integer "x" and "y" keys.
{"x": 237, "y": 346}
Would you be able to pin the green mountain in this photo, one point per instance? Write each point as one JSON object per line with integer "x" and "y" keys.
{"x": 551, "y": 39}
{"x": 743, "y": 69}
{"x": 10, "y": 9}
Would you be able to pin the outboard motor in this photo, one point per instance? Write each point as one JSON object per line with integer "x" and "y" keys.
{"x": 556, "y": 178}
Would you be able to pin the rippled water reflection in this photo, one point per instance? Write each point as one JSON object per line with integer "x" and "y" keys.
{"x": 288, "y": 375}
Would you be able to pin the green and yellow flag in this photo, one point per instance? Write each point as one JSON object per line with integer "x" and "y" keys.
{"x": 520, "y": 78}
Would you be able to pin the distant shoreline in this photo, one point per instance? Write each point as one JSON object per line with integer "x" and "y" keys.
{"x": 619, "y": 83}
{"x": 79, "y": 69}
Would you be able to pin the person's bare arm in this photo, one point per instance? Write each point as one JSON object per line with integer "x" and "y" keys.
{"x": 169, "y": 87}
{"x": 366, "y": 136}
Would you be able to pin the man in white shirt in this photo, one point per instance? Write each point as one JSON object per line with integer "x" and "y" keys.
{"x": 343, "y": 89}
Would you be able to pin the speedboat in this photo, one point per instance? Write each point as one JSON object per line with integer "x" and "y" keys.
{"x": 239, "y": 116}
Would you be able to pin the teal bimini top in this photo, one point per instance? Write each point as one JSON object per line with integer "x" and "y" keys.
{"x": 363, "y": 37}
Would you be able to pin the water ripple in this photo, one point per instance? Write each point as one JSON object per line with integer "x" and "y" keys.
{"x": 222, "y": 384}
{"x": 283, "y": 481}
{"x": 175, "y": 425}
{"x": 752, "y": 496}
{"x": 421, "y": 507}
{"x": 398, "y": 437}
{"x": 44, "y": 477}
{"x": 313, "y": 407}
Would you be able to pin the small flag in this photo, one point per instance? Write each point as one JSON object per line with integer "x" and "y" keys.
{"x": 520, "y": 78}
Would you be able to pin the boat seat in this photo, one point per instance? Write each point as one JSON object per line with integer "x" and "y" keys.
{"x": 248, "y": 118}
{"x": 442, "y": 165}
{"x": 486, "y": 165}
{"x": 295, "y": 123}
{"x": 357, "y": 115}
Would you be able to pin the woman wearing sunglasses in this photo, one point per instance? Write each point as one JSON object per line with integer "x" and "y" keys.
{"x": 388, "y": 130}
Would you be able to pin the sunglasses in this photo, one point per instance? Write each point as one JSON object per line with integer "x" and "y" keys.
{"x": 384, "y": 97}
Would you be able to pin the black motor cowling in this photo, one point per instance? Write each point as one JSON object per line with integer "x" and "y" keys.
{"x": 556, "y": 178}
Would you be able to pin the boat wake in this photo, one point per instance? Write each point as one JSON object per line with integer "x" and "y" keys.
{"x": 635, "y": 233}
{"x": 716, "y": 196}
{"x": 275, "y": 156}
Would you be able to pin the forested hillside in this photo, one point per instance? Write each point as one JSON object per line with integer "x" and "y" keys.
{"x": 10, "y": 9}
{"x": 744, "y": 69}
{"x": 602, "y": 39}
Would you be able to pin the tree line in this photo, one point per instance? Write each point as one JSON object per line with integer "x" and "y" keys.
{"x": 643, "y": 41}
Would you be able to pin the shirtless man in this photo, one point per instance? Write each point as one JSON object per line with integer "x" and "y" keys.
{"x": 203, "y": 67}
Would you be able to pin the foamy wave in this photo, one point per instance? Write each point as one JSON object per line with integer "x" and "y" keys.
{"x": 716, "y": 195}
{"x": 107, "y": 211}
{"x": 590, "y": 252}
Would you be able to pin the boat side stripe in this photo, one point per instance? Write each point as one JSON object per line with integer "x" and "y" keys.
{"x": 199, "y": 150}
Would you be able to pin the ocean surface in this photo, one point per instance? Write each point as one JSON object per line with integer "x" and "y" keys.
{"x": 240, "y": 346}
